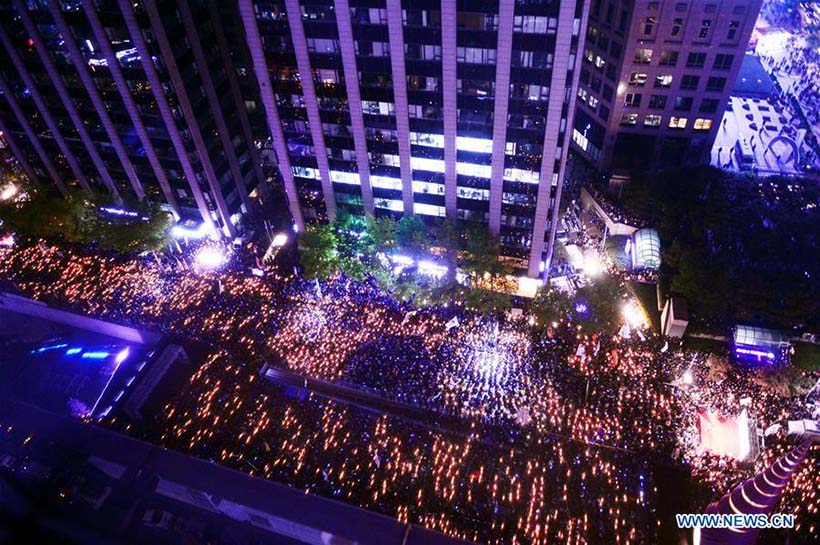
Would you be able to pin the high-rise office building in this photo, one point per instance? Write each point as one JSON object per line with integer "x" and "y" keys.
{"x": 656, "y": 77}
{"x": 439, "y": 108}
{"x": 144, "y": 98}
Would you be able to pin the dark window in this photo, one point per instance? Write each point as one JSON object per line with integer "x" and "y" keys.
{"x": 677, "y": 23}
{"x": 603, "y": 113}
{"x": 623, "y": 22}
{"x": 723, "y": 62}
{"x": 615, "y": 50}
{"x": 696, "y": 60}
{"x": 657, "y": 102}
{"x": 608, "y": 92}
{"x": 705, "y": 25}
{"x": 683, "y": 104}
{"x": 733, "y": 27}
{"x": 649, "y": 25}
{"x": 715, "y": 85}
{"x": 689, "y": 83}
{"x": 595, "y": 85}
{"x": 633, "y": 100}
{"x": 669, "y": 58}
{"x": 709, "y": 105}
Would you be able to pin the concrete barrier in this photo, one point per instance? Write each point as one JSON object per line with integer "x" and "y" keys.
{"x": 38, "y": 309}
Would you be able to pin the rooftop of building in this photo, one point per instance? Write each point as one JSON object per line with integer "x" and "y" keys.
{"x": 137, "y": 468}
{"x": 753, "y": 80}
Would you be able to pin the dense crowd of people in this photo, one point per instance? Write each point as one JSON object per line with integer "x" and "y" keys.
{"x": 616, "y": 213}
{"x": 795, "y": 62}
{"x": 559, "y": 430}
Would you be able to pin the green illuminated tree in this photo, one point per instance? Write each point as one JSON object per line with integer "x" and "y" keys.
{"x": 318, "y": 251}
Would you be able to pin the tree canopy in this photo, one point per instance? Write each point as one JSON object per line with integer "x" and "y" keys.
{"x": 318, "y": 251}
{"x": 80, "y": 219}
{"x": 551, "y": 305}
{"x": 361, "y": 247}
{"x": 739, "y": 248}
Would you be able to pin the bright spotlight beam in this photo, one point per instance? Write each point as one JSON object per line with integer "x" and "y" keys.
{"x": 211, "y": 258}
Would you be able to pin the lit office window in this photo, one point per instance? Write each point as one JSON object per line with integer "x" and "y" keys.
{"x": 677, "y": 122}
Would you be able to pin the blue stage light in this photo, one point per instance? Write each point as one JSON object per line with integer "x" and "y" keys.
{"x": 96, "y": 355}
{"x": 46, "y": 348}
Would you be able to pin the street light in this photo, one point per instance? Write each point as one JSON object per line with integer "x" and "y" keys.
{"x": 8, "y": 192}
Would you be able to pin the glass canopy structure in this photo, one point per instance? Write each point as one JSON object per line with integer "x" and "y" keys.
{"x": 758, "y": 343}
{"x": 646, "y": 249}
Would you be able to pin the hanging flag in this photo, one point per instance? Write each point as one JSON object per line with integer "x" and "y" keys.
{"x": 452, "y": 323}
{"x": 408, "y": 316}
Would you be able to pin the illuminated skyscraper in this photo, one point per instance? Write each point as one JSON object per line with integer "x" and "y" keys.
{"x": 141, "y": 98}
{"x": 656, "y": 77}
{"x": 456, "y": 109}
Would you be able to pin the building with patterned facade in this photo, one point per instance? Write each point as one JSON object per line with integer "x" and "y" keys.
{"x": 142, "y": 98}
{"x": 656, "y": 77}
{"x": 440, "y": 108}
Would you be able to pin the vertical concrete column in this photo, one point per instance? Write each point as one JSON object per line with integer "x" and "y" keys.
{"x": 297, "y": 34}
{"x": 18, "y": 153}
{"x": 236, "y": 92}
{"x": 165, "y": 110}
{"x": 56, "y": 177}
{"x": 190, "y": 118}
{"x": 82, "y": 70}
{"x": 213, "y": 102}
{"x": 449, "y": 90}
{"x": 65, "y": 96}
{"x": 43, "y": 109}
{"x": 113, "y": 65}
{"x": 260, "y": 67}
{"x": 503, "y": 56}
{"x": 395, "y": 28}
{"x": 546, "y": 216}
{"x": 354, "y": 101}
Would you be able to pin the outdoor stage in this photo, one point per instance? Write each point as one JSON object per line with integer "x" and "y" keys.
{"x": 732, "y": 436}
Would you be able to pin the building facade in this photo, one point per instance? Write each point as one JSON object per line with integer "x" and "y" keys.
{"x": 440, "y": 108}
{"x": 142, "y": 98}
{"x": 656, "y": 78}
